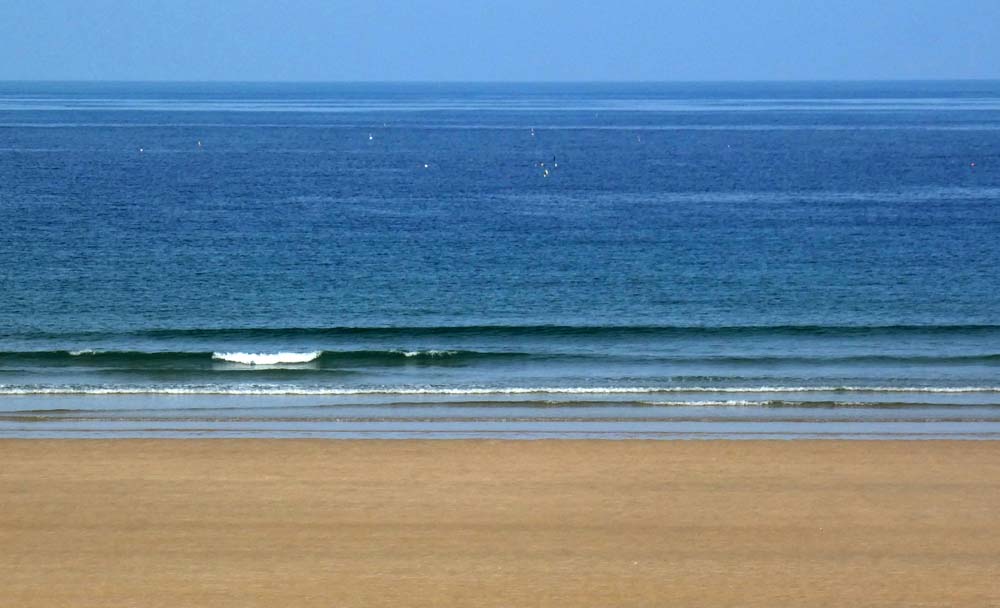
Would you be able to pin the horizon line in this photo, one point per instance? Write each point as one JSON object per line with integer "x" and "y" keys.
{"x": 500, "y": 82}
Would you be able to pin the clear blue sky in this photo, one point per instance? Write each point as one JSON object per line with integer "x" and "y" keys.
{"x": 503, "y": 40}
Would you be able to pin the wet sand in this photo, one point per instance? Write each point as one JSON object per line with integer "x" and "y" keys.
{"x": 573, "y": 523}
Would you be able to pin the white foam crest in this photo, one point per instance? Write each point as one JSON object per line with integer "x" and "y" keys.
{"x": 84, "y": 351}
{"x": 267, "y": 358}
{"x": 297, "y": 390}
{"x": 425, "y": 353}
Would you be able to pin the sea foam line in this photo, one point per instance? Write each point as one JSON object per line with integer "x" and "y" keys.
{"x": 318, "y": 391}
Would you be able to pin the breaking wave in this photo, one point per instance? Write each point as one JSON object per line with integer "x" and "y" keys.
{"x": 267, "y": 358}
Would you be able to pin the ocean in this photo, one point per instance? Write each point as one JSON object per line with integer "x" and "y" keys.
{"x": 657, "y": 260}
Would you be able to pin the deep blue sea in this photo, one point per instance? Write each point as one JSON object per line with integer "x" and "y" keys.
{"x": 502, "y": 260}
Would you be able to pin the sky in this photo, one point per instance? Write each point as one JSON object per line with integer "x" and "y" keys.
{"x": 513, "y": 40}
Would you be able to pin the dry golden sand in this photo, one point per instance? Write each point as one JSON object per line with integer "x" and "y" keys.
{"x": 468, "y": 523}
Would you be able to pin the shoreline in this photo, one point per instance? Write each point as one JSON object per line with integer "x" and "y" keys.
{"x": 527, "y": 417}
{"x": 484, "y": 522}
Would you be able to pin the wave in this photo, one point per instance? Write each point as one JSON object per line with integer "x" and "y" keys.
{"x": 399, "y": 354}
{"x": 516, "y": 331}
{"x": 196, "y": 359}
{"x": 267, "y": 358}
{"x": 92, "y": 356}
{"x": 291, "y": 390}
{"x": 426, "y": 353}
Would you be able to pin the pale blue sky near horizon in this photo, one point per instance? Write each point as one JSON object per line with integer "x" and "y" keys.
{"x": 451, "y": 40}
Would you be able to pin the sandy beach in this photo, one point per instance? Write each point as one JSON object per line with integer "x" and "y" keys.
{"x": 571, "y": 523}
